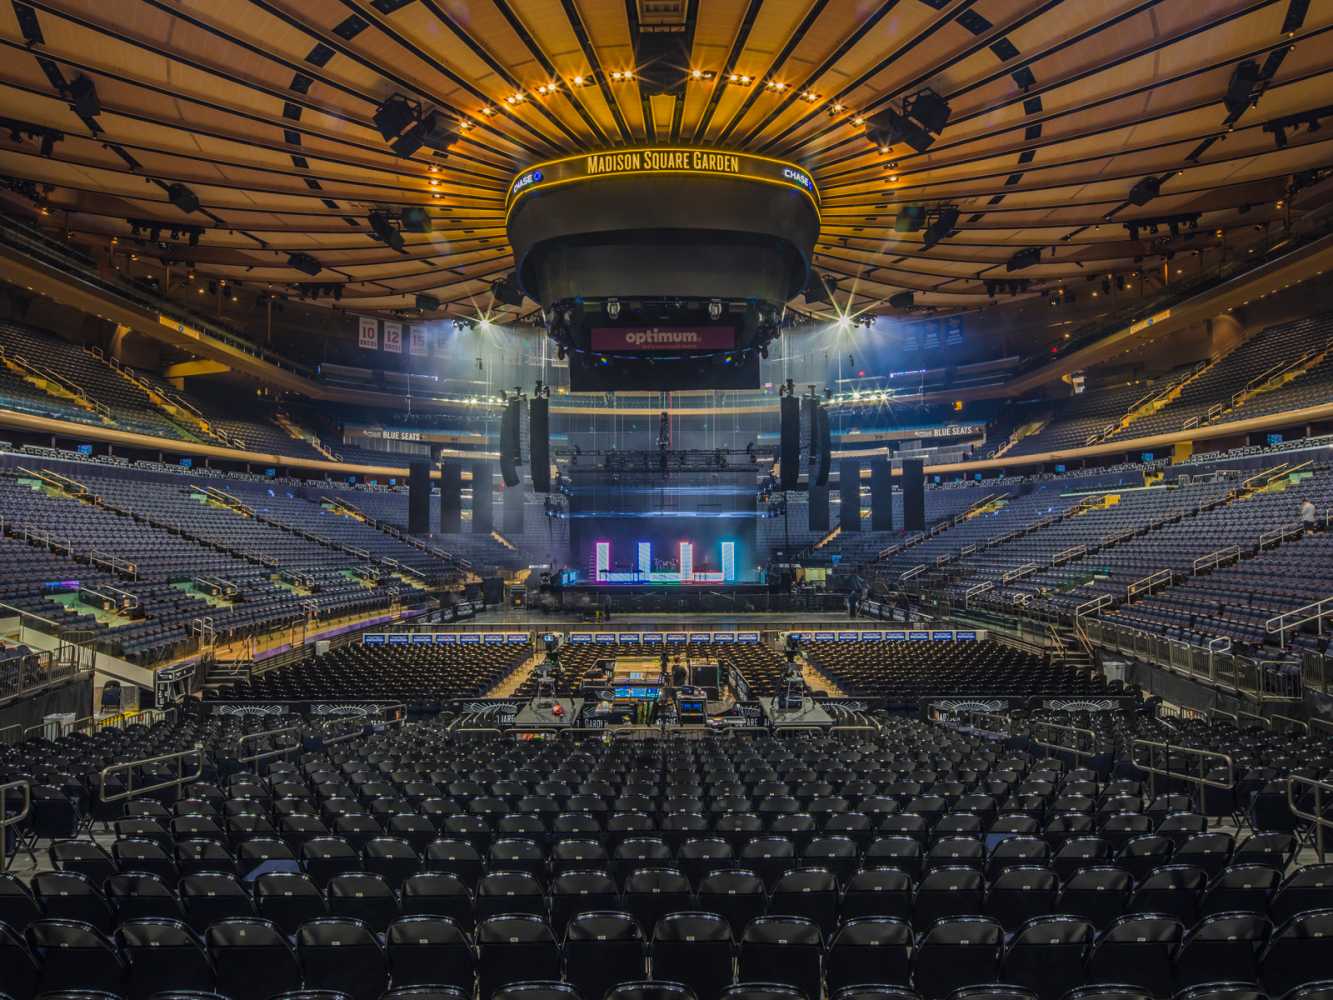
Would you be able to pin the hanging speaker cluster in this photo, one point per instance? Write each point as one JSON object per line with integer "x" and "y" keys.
{"x": 510, "y": 445}
{"x": 539, "y": 442}
{"x": 789, "y": 451}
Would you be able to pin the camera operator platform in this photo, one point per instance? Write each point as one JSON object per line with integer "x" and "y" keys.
{"x": 793, "y": 705}
{"x": 545, "y": 709}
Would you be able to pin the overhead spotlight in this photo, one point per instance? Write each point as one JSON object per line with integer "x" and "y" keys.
{"x": 888, "y": 128}
{"x": 427, "y": 303}
{"x": 183, "y": 198}
{"x": 547, "y": 89}
{"x": 775, "y": 86}
{"x": 613, "y": 308}
{"x": 1244, "y": 78}
{"x": 1119, "y": 282}
{"x": 1024, "y": 258}
{"x": 385, "y": 232}
{"x": 902, "y": 300}
{"x": 945, "y": 219}
{"x": 740, "y": 79}
{"x": 416, "y": 220}
{"x": 436, "y": 132}
{"x": 1133, "y": 229}
{"x": 392, "y": 116}
{"x": 582, "y": 80}
{"x": 49, "y": 140}
{"x": 194, "y": 234}
{"x": 621, "y": 75}
{"x": 83, "y": 92}
{"x": 409, "y": 142}
{"x": 1279, "y": 133}
{"x": 929, "y": 108}
{"x": 304, "y": 263}
{"x": 1145, "y": 191}
{"x": 991, "y": 288}
{"x": 1106, "y": 286}
{"x": 809, "y": 96}
{"x": 703, "y": 74}
{"x": 507, "y": 290}
{"x": 818, "y": 289}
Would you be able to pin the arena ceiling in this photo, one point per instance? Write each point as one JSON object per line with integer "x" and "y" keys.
{"x": 264, "y": 110}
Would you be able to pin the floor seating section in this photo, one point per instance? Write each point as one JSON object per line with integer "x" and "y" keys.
{"x": 761, "y": 666}
{"x": 418, "y": 676}
{"x": 910, "y": 863}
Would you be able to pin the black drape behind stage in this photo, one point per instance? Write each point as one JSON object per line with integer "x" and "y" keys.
{"x": 914, "y": 494}
{"x": 418, "y": 498}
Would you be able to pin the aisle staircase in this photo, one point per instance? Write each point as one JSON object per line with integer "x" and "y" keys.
{"x": 508, "y": 686}
{"x": 298, "y": 433}
{"x": 184, "y": 414}
{"x": 1025, "y": 431}
{"x": 1155, "y": 400}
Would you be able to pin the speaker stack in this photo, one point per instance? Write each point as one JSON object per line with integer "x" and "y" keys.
{"x": 789, "y": 452}
{"x": 914, "y": 494}
{"x": 483, "y": 517}
{"x": 451, "y": 498}
{"x": 825, "y": 439}
{"x": 881, "y": 495}
{"x": 539, "y": 442}
{"x": 510, "y": 448}
{"x": 418, "y": 498}
{"x": 849, "y": 495}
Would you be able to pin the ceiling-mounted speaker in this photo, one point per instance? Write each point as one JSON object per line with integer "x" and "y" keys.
{"x": 539, "y": 443}
{"x": 384, "y": 231}
{"x": 304, "y": 263}
{"x": 427, "y": 303}
{"x": 910, "y": 218}
{"x": 1024, "y": 258}
{"x": 394, "y": 115}
{"x": 902, "y": 300}
{"x": 83, "y": 93}
{"x": 818, "y": 289}
{"x": 930, "y": 109}
{"x": 437, "y": 133}
{"x": 1144, "y": 191}
{"x": 510, "y": 445}
{"x": 507, "y": 291}
{"x": 183, "y": 198}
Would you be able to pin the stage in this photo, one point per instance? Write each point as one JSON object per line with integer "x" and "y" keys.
{"x": 695, "y": 598}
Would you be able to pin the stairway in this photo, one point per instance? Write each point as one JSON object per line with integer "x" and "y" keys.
{"x": 184, "y": 415}
{"x": 509, "y": 685}
{"x": 54, "y": 385}
{"x": 1025, "y": 431}
{"x": 298, "y": 433}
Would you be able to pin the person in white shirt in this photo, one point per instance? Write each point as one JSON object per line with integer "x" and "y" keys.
{"x": 1307, "y": 514}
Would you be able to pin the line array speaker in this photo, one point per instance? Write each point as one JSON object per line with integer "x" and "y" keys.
{"x": 483, "y": 517}
{"x": 825, "y": 436}
{"x": 451, "y": 498}
{"x": 881, "y": 495}
{"x": 510, "y": 453}
{"x": 914, "y": 494}
{"x": 849, "y": 495}
{"x": 818, "y": 507}
{"x": 539, "y": 443}
{"x": 512, "y": 510}
{"x": 789, "y": 452}
{"x": 418, "y": 498}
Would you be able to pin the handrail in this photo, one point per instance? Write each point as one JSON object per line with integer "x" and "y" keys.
{"x": 1073, "y": 552}
{"x": 5, "y": 737}
{"x": 1300, "y": 616}
{"x": 1290, "y": 721}
{"x": 1215, "y": 558}
{"x": 1077, "y": 732}
{"x": 1275, "y": 536}
{"x": 6, "y": 820}
{"x": 260, "y": 756}
{"x": 1201, "y": 779}
{"x": 980, "y": 588}
{"x": 130, "y": 767}
{"x": 1027, "y": 569}
{"x": 1093, "y": 606}
{"x": 916, "y": 570}
{"x": 1147, "y": 583}
{"x": 957, "y": 718}
{"x": 1317, "y": 818}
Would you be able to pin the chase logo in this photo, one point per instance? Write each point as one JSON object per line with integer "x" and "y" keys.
{"x": 796, "y": 177}
{"x": 528, "y": 179}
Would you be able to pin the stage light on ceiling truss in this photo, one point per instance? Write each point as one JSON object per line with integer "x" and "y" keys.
{"x": 582, "y": 80}
{"x": 621, "y": 75}
{"x": 942, "y": 226}
{"x": 819, "y": 289}
{"x": 703, "y": 75}
{"x": 740, "y": 79}
{"x": 507, "y": 291}
{"x": 888, "y": 128}
{"x": 394, "y": 115}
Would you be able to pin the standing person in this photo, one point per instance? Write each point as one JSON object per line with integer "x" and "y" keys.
{"x": 1307, "y": 515}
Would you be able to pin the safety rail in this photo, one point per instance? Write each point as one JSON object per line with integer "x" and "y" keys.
{"x": 1317, "y": 819}
{"x": 979, "y": 588}
{"x": 916, "y": 570}
{"x": 1282, "y": 533}
{"x": 1315, "y": 612}
{"x": 7, "y": 820}
{"x": 1289, "y": 722}
{"x": 1093, "y": 606}
{"x": 1147, "y": 584}
{"x": 984, "y": 723}
{"x": 1216, "y": 558}
{"x": 1082, "y": 741}
{"x": 132, "y": 767}
{"x": 1266, "y": 475}
{"x": 1215, "y": 411}
{"x": 1189, "y": 424}
{"x": 1071, "y": 553}
{"x": 114, "y": 563}
{"x": 11, "y": 735}
{"x": 1193, "y": 753}
{"x": 1258, "y": 721}
{"x": 1027, "y": 569}
{"x": 259, "y": 756}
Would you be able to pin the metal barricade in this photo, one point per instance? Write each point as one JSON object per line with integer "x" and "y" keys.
{"x": 11, "y": 735}
{"x": 1167, "y": 749}
{"x": 993, "y": 724}
{"x": 1316, "y": 818}
{"x": 259, "y": 756}
{"x": 132, "y": 767}
{"x": 1288, "y": 723}
{"x": 1082, "y": 741}
{"x": 7, "y": 820}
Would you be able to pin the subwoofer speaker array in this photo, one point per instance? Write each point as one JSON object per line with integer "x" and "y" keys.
{"x": 539, "y": 443}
